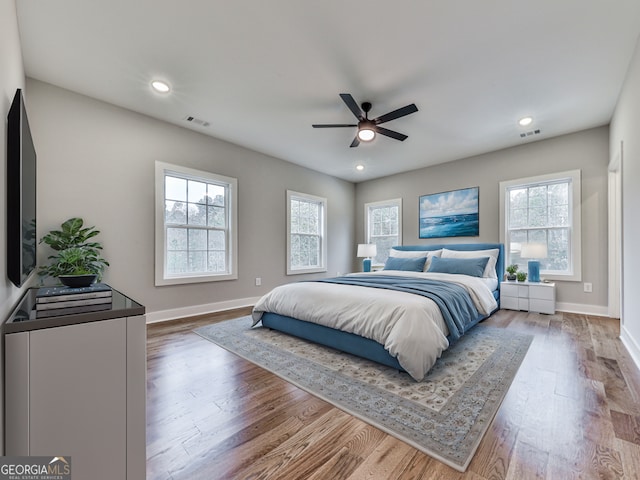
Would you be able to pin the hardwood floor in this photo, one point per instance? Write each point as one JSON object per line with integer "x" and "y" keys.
{"x": 573, "y": 411}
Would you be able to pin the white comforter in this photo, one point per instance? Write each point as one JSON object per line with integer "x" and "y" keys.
{"x": 410, "y": 326}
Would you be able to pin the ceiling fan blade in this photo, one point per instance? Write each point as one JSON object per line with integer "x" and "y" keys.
{"x": 353, "y": 106}
{"x": 333, "y": 125}
{"x": 390, "y": 133}
{"x": 401, "y": 112}
{"x": 356, "y": 142}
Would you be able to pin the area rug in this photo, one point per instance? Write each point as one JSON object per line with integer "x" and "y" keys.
{"x": 445, "y": 415}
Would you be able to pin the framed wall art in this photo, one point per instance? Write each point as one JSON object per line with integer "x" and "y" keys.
{"x": 450, "y": 214}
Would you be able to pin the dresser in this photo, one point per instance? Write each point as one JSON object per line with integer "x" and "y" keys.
{"x": 528, "y": 296}
{"x": 75, "y": 385}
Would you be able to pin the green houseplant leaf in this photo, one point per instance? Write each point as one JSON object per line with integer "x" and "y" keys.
{"x": 76, "y": 255}
{"x": 512, "y": 269}
{"x": 71, "y": 235}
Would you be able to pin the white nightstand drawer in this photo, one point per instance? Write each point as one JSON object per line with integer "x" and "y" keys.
{"x": 523, "y": 303}
{"x": 543, "y": 292}
{"x": 508, "y": 290}
{"x": 523, "y": 291}
{"x": 542, "y": 306}
{"x": 510, "y": 303}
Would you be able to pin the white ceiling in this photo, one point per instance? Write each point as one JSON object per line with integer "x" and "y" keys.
{"x": 261, "y": 72}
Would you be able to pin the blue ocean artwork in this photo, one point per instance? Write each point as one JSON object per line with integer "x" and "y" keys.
{"x": 450, "y": 214}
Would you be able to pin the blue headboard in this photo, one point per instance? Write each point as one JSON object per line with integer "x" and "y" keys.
{"x": 463, "y": 246}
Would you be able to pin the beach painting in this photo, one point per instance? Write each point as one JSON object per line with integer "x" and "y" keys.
{"x": 450, "y": 214}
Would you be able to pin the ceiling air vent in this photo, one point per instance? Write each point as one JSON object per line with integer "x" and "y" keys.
{"x": 530, "y": 134}
{"x": 197, "y": 121}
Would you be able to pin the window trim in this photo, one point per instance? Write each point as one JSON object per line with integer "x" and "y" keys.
{"x": 575, "y": 230}
{"x": 161, "y": 278}
{"x": 323, "y": 236}
{"x": 396, "y": 202}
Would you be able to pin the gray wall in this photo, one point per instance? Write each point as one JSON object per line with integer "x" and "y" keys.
{"x": 11, "y": 77}
{"x": 96, "y": 161}
{"x": 587, "y": 150}
{"x": 625, "y": 128}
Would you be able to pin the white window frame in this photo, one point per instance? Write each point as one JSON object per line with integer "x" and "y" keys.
{"x": 574, "y": 272}
{"x": 369, "y": 207}
{"x": 322, "y": 267}
{"x": 161, "y": 276}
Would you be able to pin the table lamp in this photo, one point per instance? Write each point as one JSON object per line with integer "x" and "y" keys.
{"x": 367, "y": 250}
{"x": 534, "y": 251}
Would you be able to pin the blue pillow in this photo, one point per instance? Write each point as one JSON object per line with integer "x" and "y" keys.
{"x": 405, "y": 264}
{"x": 462, "y": 266}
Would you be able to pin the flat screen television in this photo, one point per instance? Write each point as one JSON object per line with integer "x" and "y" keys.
{"x": 21, "y": 194}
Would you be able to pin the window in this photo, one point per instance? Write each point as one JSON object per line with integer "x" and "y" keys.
{"x": 306, "y": 233}
{"x": 545, "y": 210}
{"x": 196, "y": 218}
{"x": 383, "y": 226}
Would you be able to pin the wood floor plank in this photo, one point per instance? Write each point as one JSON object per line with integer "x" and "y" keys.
{"x": 387, "y": 461}
{"x": 572, "y": 412}
{"x": 496, "y": 449}
{"x": 365, "y": 440}
{"x": 301, "y": 454}
{"x": 527, "y": 462}
{"x": 630, "y": 455}
{"x": 626, "y": 427}
{"x": 589, "y": 460}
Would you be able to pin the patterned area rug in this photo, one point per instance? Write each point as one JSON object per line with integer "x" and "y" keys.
{"x": 445, "y": 415}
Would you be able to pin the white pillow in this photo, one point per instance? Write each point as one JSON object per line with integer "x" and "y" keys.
{"x": 489, "y": 270}
{"x": 416, "y": 254}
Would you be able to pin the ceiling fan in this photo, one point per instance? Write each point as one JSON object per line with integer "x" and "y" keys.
{"x": 367, "y": 128}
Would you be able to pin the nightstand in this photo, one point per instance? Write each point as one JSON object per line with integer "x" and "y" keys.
{"x": 529, "y": 296}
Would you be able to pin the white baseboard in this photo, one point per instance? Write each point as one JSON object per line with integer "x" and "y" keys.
{"x": 190, "y": 311}
{"x": 630, "y": 344}
{"x": 584, "y": 309}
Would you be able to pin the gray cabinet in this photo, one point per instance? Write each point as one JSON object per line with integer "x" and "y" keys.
{"x": 79, "y": 390}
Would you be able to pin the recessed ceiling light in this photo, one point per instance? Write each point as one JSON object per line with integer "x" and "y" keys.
{"x": 360, "y": 167}
{"x": 524, "y": 121}
{"x": 160, "y": 86}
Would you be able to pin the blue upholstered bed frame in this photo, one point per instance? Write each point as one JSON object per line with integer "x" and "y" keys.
{"x": 365, "y": 347}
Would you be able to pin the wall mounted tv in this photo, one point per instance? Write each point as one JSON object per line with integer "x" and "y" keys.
{"x": 21, "y": 194}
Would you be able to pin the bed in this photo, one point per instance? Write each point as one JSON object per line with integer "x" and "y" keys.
{"x": 404, "y": 316}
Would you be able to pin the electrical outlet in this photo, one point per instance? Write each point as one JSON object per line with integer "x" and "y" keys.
{"x": 588, "y": 287}
{"x": 258, "y": 281}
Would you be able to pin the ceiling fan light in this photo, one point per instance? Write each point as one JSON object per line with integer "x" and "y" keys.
{"x": 366, "y": 134}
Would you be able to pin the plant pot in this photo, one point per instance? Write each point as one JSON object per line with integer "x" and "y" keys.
{"x": 76, "y": 281}
{"x": 511, "y": 278}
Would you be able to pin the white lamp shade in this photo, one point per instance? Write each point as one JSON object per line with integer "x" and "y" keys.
{"x": 367, "y": 250}
{"x": 533, "y": 250}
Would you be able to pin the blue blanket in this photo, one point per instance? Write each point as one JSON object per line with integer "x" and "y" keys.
{"x": 457, "y": 308}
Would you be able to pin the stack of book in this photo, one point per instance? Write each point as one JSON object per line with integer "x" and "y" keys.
{"x": 56, "y": 301}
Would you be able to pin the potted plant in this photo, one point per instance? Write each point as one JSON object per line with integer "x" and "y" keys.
{"x": 522, "y": 276}
{"x": 77, "y": 261}
{"x": 511, "y": 272}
